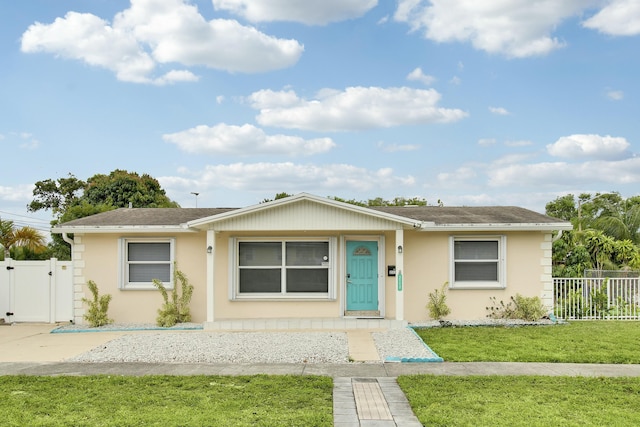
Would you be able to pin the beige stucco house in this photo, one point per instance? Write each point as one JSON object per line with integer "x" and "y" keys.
{"x": 311, "y": 261}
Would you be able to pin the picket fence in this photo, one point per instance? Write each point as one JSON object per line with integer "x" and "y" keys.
{"x": 597, "y": 298}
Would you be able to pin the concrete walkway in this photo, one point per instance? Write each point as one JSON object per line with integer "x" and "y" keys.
{"x": 365, "y": 392}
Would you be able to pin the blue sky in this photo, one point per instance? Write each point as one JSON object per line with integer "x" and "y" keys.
{"x": 473, "y": 102}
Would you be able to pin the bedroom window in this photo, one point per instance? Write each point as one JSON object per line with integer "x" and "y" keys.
{"x": 143, "y": 260}
{"x": 478, "y": 262}
{"x": 284, "y": 269}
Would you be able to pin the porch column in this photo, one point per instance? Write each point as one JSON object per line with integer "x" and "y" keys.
{"x": 211, "y": 266}
{"x": 399, "y": 249}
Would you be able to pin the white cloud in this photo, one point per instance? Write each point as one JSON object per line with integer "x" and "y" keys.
{"x": 455, "y": 80}
{"x": 562, "y": 174}
{"x": 499, "y": 111}
{"x": 419, "y": 76}
{"x": 353, "y": 109}
{"x": 20, "y": 193}
{"x": 306, "y": 12}
{"x": 618, "y": 18}
{"x": 515, "y": 28}
{"x": 590, "y": 146}
{"x": 152, "y": 32}
{"x": 245, "y": 140}
{"x": 615, "y": 95}
{"x": 287, "y": 176}
{"x": 461, "y": 176}
{"x": 393, "y": 148}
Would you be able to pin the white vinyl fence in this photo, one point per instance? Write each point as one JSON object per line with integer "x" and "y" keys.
{"x": 36, "y": 291}
{"x": 597, "y": 298}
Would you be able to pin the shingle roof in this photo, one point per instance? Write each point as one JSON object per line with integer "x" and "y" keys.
{"x": 439, "y": 215}
{"x": 145, "y": 217}
{"x": 470, "y": 214}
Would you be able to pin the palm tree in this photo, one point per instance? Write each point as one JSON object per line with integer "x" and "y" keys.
{"x": 27, "y": 237}
{"x": 622, "y": 223}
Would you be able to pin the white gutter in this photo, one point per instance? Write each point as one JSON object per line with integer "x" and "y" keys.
{"x": 554, "y": 226}
{"x": 125, "y": 229}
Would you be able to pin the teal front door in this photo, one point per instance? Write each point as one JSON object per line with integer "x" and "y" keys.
{"x": 362, "y": 275}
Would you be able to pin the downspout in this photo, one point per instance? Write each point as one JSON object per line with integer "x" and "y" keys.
{"x": 69, "y": 240}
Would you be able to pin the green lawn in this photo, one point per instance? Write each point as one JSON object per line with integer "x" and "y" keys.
{"x": 166, "y": 401}
{"x": 523, "y": 401}
{"x": 577, "y": 342}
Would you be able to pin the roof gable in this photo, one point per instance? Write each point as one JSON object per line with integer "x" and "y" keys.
{"x": 303, "y": 212}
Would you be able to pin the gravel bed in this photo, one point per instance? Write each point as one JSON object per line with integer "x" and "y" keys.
{"x": 223, "y": 347}
{"x": 402, "y": 345}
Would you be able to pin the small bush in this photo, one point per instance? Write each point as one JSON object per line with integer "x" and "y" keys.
{"x": 519, "y": 307}
{"x": 437, "y": 304}
{"x": 174, "y": 310}
{"x": 98, "y": 307}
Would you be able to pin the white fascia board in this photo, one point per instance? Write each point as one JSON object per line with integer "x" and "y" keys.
{"x": 124, "y": 229}
{"x": 553, "y": 226}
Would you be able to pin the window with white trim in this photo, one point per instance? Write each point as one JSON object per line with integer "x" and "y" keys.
{"x": 143, "y": 260}
{"x": 284, "y": 268}
{"x": 478, "y": 262}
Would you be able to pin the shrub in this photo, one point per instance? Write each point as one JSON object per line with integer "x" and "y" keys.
{"x": 519, "y": 307}
{"x": 174, "y": 310}
{"x": 437, "y": 304}
{"x": 98, "y": 307}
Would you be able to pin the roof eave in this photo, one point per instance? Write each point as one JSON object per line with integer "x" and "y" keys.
{"x": 557, "y": 226}
{"x": 124, "y": 229}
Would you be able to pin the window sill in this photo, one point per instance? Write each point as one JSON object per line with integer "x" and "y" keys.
{"x": 283, "y": 299}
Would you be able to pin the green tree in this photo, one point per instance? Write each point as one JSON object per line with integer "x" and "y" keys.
{"x": 56, "y": 196}
{"x": 606, "y": 233}
{"x": 71, "y": 198}
{"x": 121, "y": 188}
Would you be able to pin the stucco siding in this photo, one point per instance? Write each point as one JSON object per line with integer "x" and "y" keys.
{"x": 427, "y": 269}
{"x": 101, "y": 264}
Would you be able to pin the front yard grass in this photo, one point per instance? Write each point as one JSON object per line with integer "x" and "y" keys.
{"x": 523, "y": 401}
{"x": 576, "y": 342}
{"x": 167, "y": 401}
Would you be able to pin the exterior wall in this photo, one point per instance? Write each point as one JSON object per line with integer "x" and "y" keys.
{"x": 96, "y": 258}
{"x": 427, "y": 268}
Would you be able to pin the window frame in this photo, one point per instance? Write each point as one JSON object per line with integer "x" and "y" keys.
{"x": 501, "y": 260}
{"x": 124, "y": 263}
{"x": 234, "y": 267}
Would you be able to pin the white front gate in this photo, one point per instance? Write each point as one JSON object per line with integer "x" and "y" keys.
{"x": 36, "y": 291}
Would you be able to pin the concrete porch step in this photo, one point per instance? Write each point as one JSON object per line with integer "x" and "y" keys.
{"x": 362, "y": 313}
{"x": 302, "y": 324}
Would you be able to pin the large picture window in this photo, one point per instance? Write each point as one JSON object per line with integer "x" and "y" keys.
{"x": 478, "y": 262}
{"x": 284, "y": 268}
{"x": 144, "y": 260}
